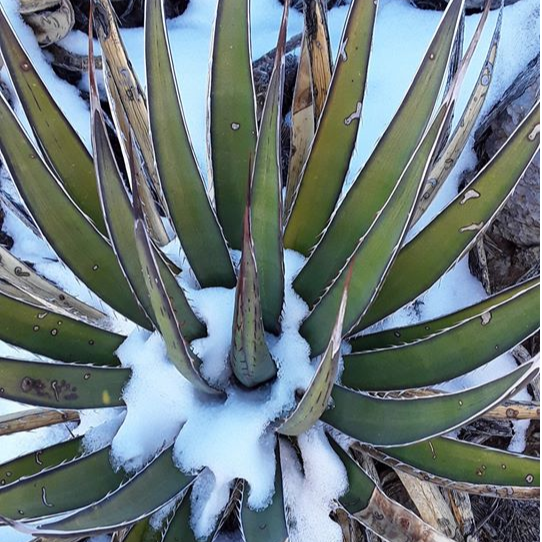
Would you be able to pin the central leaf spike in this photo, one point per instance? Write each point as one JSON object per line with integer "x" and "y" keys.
{"x": 250, "y": 358}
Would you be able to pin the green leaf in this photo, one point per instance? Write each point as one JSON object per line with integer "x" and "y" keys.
{"x": 450, "y": 353}
{"x": 194, "y": 219}
{"x": 416, "y": 332}
{"x": 376, "y": 250}
{"x": 232, "y": 111}
{"x": 138, "y": 498}
{"x": 177, "y": 348}
{"x": 250, "y": 359}
{"x": 270, "y": 523}
{"x": 76, "y": 241}
{"x": 394, "y": 422}
{"x": 62, "y": 146}
{"x": 62, "y": 385}
{"x": 178, "y": 530}
{"x": 67, "y": 487}
{"x": 360, "y": 485}
{"x": 130, "y": 114}
{"x": 378, "y": 177}
{"x": 43, "y": 292}
{"x": 482, "y": 469}
{"x": 35, "y": 462}
{"x": 120, "y": 220}
{"x": 455, "y": 230}
{"x": 266, "y": 196}
{"x": 448, "y": 157}
{"x": 142, "y": 531}
{"x": 316, "y": 397}
{"x": 55, "y": 335}
{"x": 324, "y": 172}
{"x": 117, "y": 208}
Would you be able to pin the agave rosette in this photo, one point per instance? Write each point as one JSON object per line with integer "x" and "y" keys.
{"x": 358, "y": 270}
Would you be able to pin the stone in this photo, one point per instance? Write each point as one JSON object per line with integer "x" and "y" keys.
{"x": 509, "y": 249}
{"x": 471, "y": 6}
{"x": 298, "y": 4}
{"x": 130, "y": 12}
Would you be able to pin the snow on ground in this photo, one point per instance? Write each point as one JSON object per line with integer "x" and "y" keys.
{"x": 237, "y": 430}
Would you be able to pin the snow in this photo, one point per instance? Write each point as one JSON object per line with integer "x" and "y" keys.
{"x": 236, "y": 437}
{"x": 237, "y": 441}
{"x": 310, "y": 493}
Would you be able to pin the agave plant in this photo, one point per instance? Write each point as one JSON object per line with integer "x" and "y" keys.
{"x": 107, "y": 220}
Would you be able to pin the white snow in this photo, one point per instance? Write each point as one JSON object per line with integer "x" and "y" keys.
{"x": 237, "y": 441}
{"x": 310, "y": 494}
{"x": 234, "y": 440}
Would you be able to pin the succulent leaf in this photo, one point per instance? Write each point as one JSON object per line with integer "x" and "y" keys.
{"x": 356, "y": 248}
{"x": 468, "y": 466}
{"x": 117, "y": 208}
{"x": 178, "y": 529}
{"x": 191, "y": 212}
{"x": 360, "y": 484}
{"x": 450, "y": 353}
{"x": 459, "y": 225}
{"x": 324, "y": 172}
{"x": 451, "y": 152}
{"x": 65, "y": 227}
{"x": 8, "y": 289}
{"x": 120, "y": 220}
{"x": 268, "y": 524}
{"x": 266, "y": 195}
{"x": 61, "y": 145}
{"x": 35, "y": 462}
{"x": 142, "y": 531}
{"x": 250, "y": 358}
{"x": 66, "y": 487}
{"x": 136, "y": 499}
{"x": 43, "y": 292}
{"x": 416, "y": 332}
{"x": 394, "y": 422}
{"x": 56, "y": 335}
{"x": 315, "y": 400}
{"x": 179, "y": 352}
{"x": 62, "y": 385}
{"x": 232, "y": 115}
{"x": 377, "y": 179}
{"x": 376, "y": 250}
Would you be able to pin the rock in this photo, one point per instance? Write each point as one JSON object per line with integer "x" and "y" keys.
{"x": 509, "y": 250}
{"x": 130, "y": 12}
{"x": 507, "y": 253}
{"x": 471, "y": 6}
{"x": 298, "y": 4}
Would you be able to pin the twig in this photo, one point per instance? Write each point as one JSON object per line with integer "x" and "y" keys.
{"x": 34, "y": 419}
